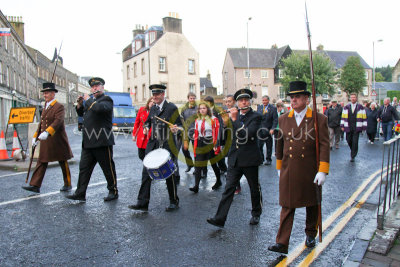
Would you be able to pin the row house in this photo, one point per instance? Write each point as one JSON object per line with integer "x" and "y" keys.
{"x": 18, "y": 83}
{"x": 161, "y": 55}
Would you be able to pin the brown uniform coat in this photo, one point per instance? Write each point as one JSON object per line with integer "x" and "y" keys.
{"x": 56, "y": 146}
{"x": 296, "y": 158}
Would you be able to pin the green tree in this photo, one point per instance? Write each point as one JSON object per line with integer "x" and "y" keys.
{"x": 379, "y": 77}
{"x": 296, "y": 67}
{"x": 386, "y": 72}
{"x": 352, "y": 78}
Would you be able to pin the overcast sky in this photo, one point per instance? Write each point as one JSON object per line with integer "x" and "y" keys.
{"x": 95, "y": 32}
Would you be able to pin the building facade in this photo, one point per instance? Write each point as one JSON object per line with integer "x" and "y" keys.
{"x": 161, "y": 55}
{"x": 18, "y": 79}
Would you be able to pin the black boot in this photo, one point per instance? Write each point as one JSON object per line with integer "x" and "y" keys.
{"x": 112, "y": 195}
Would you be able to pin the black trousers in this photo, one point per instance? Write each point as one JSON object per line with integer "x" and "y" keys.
{"x": 268, "y": 142}
{"x": 352, "y": 141}
{"x": 232, "y": 179}
{"x": 188, "y": 157}
{"x": 89, "y": 158}
{"x": 141, "y": 153}
{"x": 202, "y": 159}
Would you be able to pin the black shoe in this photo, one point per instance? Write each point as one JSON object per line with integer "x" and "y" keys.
{"x": 310, "y": 241}
{"x": 76, "y": 197}
{"x": 139, "y": 207}
{"x": 279, "y": 248}
{"x": 268, "y": 162}
{"x": 216, "y": 222}
{"x": 188, "y": 168}
{"x": 194, "y": 189}
{"x": 352, "y": 160}
{"x": 65, "y": 188}
{"x": 111, "y": 196}
{"x": 216, "y": 185}
{"x": 172, "y": 207}
{"x": 32, "y": 188}
{"x": 255, "y": 220}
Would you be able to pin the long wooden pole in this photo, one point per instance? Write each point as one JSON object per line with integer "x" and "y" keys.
{"x": 318, "y": 188}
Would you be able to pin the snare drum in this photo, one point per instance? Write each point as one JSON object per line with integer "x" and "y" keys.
{"x": 159, "y": 164}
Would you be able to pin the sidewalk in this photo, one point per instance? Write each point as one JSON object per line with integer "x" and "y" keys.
{"x": 375, "y": 247}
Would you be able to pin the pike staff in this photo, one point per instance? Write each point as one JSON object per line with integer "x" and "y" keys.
{"x": 314, "y": 110}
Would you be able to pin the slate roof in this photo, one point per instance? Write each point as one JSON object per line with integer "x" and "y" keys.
{"x": 205, "y": 83}
{"x": 258, "y": 57}
{"x": 142, "y": 37}
{"x": 388, "y": 86}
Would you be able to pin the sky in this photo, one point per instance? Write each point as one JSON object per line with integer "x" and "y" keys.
{"x": 95, "y": 32}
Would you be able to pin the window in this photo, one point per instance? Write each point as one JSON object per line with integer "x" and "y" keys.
{"x": 191, "y": 66}
{"x": 162, "y": 64}
{"x": 142, "y": 66}
{"x": 192, "y": 87}
{"x": 167, "y": 90}
{"x": 7, "y": 77}
{"x": 247, "y": 73}
{"x": 398, "y": 78}
{"x": 366, "y": 74}
{"x": 127, "y": 73}
{"x": 365, "y": 91}
{"x": 152, "y": 37}
{"x": 1, "y": 72}
{"x": 15, "y": 80}
{"x": 6, "y": 43}
{"x": 264, "y": 74}
{"x": 282, "y": 92}
{"x": 134, "y": 69}
{"x": 143, "y": 92}
{"x": 138, "y": 45}
{"x": 146, "y": 38}
{"x": 280, "y": 73}
{"x": 226, "y": 76}
{"x": 325, "y": 96}
{"x": 264, "y": 90}
{"x": 135, "y": 93}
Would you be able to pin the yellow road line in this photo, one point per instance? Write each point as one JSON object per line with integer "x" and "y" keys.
{"x": 338, "y": 228}
{"x": 326, "y": 223}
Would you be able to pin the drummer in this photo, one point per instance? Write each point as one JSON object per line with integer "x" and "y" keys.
{"x": 162, "y": 136}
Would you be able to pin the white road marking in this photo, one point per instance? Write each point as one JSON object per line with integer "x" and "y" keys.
{"x": 12, "y": 174}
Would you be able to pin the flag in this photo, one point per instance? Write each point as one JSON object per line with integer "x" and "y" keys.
{"x": 5, "y": 31}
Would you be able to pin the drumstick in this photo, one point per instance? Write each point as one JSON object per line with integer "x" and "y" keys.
{"x": 169, "y": 124}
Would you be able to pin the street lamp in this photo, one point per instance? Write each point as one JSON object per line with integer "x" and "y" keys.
{"x": 373, "y": 70}
{"x": 248, "y": 59}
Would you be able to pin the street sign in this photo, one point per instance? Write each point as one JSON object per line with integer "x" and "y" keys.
{"x": 21, "y": 115}
{"x": 373, "y": 92}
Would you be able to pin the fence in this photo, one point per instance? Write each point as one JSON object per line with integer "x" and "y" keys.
{"x": 389, "y": 186}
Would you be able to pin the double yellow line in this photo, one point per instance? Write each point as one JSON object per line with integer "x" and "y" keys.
{"x": 339, "y": 226}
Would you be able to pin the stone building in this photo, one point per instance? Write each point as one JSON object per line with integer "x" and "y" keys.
{"x": 396, "y": 73}
{"x": 18, "y": 78}
{"x": 162, "y": 55}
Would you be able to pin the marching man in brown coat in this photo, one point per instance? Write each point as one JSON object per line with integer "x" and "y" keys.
{"x": 53, "y": 139}
{"x": 297, "y": 167}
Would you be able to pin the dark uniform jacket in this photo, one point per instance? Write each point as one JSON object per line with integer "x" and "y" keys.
{"x": 97, "y": 122}
{"x": 296, "y": 158}
{"x": 269, "y": 118}
{"x": 161, "y": 135}
{"x": 244, "y": 151}
{"x": 56, "y": 146}
{"x": 334, "y": 116}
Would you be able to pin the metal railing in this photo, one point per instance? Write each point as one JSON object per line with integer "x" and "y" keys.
{"x": 389, "y": 186}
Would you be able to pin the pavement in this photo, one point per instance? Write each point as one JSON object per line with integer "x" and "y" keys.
{"x": 374, "y": 247}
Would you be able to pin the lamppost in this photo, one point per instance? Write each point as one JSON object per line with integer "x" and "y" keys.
{"x": 373, "y": 70}
{"x": 248, "y": 59}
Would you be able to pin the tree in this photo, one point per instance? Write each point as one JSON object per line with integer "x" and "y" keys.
{"x": 296, "y": 67}
{"x": 386, "y": 72}
{"x": 379, "y": 77}
{"x": 352, "y": 78}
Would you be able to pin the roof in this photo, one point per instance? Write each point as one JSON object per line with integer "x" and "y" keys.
{"x": 388, "y": 86}
{"x": 155, "y": 28}
{"x": 258, "y": 57}
{"x": 205, "y": 83}
{"x": 338, "y": 57}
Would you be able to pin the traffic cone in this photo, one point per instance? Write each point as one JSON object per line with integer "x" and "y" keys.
{"x": 16, "y": 145}
{"x": 3, "y": 148}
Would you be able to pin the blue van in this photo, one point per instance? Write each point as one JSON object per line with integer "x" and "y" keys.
{"x": 124, "y": 113}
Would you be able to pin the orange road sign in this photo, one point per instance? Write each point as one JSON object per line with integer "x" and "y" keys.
{"x": 21, "y": 115}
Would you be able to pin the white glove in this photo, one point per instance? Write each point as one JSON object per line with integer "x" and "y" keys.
{"x": 320, "y": 178}
{"x": 43, "y": 136}
{"x": 34, "y": 142}
{"x": 279, "y": 173}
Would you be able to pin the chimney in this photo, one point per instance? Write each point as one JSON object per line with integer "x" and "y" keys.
{"x": 208, "y": 75}
{"x": 172, "y": 23}
{"x": 138, "y": 30}
{"x": 18, "y": 25}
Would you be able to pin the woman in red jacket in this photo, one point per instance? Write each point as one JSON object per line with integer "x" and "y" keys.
{"x": 206, "y": 145}
{"x": 137, "y": 132}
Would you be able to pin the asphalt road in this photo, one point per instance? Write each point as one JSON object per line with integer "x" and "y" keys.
{"x": 50, "y": 230}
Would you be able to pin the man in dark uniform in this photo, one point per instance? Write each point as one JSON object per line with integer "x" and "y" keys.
{"x": 297, "y": 168}
{"x": 54, "y": 144}
{"x": 160, "y": 137}
{"x": 268, "y": 124}
{"x": 97, "y": 140}
{"x": 243, "y": 158}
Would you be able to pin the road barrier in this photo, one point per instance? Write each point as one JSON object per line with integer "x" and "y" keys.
{"x": 389, "y": 186}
